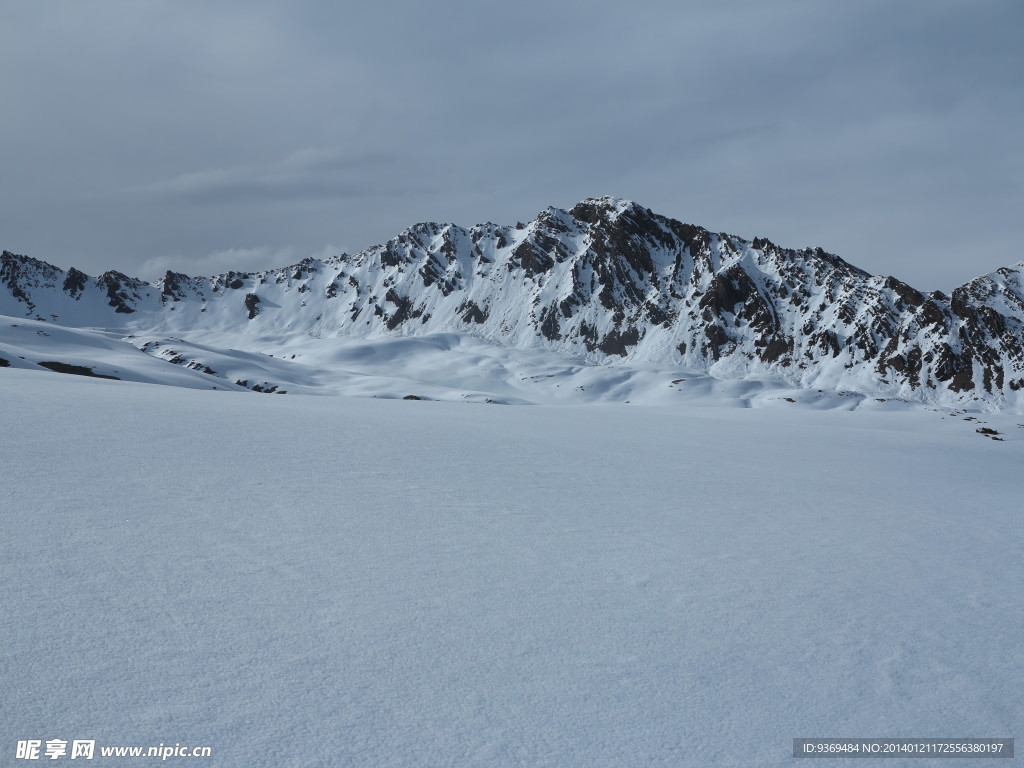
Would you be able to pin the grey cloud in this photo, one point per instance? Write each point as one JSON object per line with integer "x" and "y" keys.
{"x": 237, "y": 259}
{"x": 886, "y": 132}
{"x": 302, "y": 175}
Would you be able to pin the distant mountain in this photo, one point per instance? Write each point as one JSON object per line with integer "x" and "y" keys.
{"x": 606, "y": 281}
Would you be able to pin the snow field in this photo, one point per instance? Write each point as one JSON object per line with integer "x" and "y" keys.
{"x": 335, "y": 581}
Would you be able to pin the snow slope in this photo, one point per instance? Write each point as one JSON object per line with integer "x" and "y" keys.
{"x": 332, "y": 581}
{"x": 440, "y": 366}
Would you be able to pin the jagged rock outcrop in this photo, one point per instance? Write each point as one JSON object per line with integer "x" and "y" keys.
{"x": 607, "y": 280}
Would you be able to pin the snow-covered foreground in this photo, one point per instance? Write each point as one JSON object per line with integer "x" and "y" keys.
{"x": 304, "y": 581}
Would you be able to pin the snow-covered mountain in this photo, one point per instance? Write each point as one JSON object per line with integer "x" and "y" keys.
{"x": 606, "y": 282}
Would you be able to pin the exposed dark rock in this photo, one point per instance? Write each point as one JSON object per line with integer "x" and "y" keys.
{"x": 589, "y": 335}
{"x": 12, "y": 267}
{"x": 549, "y": 324}
{"x": 252, "y": 304}
{"x": 402, "y": 311}
{"x": 532, "y": 261}
{"x": 471, "y": 313}
{"x": 171, "y": 286}
{"x": 656, "y": 314}
{"x": 618, "y": 342}
{"x": 75, "y": 282}
{"x": 392, "y": 255}
{"x": 728, "y": 289}
{"x": 195, "y": 365}
{"x": 777, "y": 350}
{"x": 716, "y": 335}
{"x": 567, "y": 305}
{"x": 117, "y": 291}
{"x": 909, "y": 296}
{"x": 76, "y": 370}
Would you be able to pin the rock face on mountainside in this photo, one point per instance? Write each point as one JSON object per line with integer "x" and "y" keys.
{"x": 607, "y": 280}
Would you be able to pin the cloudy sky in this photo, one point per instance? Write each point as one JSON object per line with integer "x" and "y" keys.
{"x": 204, "y": 135}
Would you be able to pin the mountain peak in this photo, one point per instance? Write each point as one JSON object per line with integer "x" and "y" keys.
{"x": 606, "y": 208}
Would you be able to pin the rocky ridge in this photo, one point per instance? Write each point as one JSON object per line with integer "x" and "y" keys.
{"x": 606, "y": 281}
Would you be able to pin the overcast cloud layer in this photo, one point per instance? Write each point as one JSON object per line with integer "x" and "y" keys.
{"x": 203, "y": 136}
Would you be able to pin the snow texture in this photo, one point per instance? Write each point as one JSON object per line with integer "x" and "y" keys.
{"x": 338, "y": 581}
